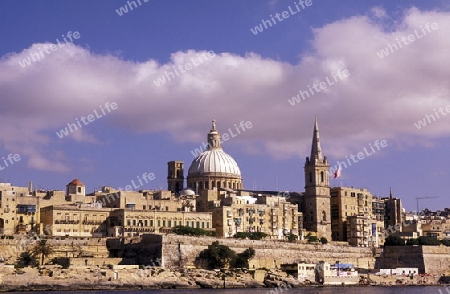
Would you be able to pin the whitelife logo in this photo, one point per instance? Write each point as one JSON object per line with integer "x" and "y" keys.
{"x": 145, "y": 176}
{"x": 38, "y": 56}
{"x": 11, "y": 158}
{"x": 225, "y": 137}
{"x": 342, "y": 74}
{"x": 423, "y": 123}
{"x": 124, "y": 9}
{"x": 337, "y": 169}
{"x": 285, "y": 14}
{"x": 203, "y": 58}
{"x": 407, "y": 40}
{"x": 86, "y": 120}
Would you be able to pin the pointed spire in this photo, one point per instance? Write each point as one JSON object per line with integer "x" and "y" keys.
{"x": 316, "y": 151}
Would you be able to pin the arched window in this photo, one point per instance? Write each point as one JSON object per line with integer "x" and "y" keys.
{"x": 206, "y": 185}
{"x": 324, "y": 216}
{"x": 321, "y": 176}
{"x": 310, "y": 177}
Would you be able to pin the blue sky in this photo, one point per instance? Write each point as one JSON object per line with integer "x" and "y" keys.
{"x": 250, "y": 78}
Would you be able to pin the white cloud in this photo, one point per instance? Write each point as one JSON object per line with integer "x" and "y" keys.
{"x": 381, "y": 99}
{"x": 379, "y": 12}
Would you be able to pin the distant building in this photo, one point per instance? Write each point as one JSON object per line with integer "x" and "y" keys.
{"x": 393, "y": 211}
{"x": 347, "y": 202}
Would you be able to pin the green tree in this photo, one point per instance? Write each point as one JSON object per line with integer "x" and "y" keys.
{"x": 392, "y": 240}
{"x": 250, "y": 235}
{"x": 42, "y": 250}
{"x": 25, "y": 259}
{"x": 216, "y": 256}
{"x": 241, "y": 260}
{"x": 445, "y": 242}
{"x": 184, "y": 230}
{"x": 292, "y": 237}
{"x": 428, "y": 241}
{"x": 323, "y": 240}
{"x": 311, "y": 238}
{"x": 413, "y": 241}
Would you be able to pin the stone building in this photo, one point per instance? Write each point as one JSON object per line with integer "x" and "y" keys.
{"x": 362, "y": 231}
{"x": 436, "y": 226}
{"x": 315, "y": 204}
{"x": 76, "y": 220}
{"x": 393, "y": 211}
{"x": 175, "y": 177}
{"x": 18, "y": 209}
{"x": 136, "y": 222}
{"x": 242, "y": 212}
{"x": 345, "y": 202}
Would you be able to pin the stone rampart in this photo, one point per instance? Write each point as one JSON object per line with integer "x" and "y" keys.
{"x": 428, "y": 259}
{"x": 183, "y": 249}
{"x": 10, "y": 249}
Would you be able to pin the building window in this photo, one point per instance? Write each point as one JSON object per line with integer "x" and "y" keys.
{"x": 164, "y": 223}
{"x": 321, "y": 176}
{"x": 134, "y": 222}
{"x": 151, "y": 223}
{"x": 79, "y": 189}
{"x": 169, "y": 224}
{"x": 128, "y": 222}
{"x": 145, "y": 222}
{"x": 144, "y": 207}
{"x": 159, "y": 223}
{"x": 198, "y": 224}
{"x": 203, "y": 225}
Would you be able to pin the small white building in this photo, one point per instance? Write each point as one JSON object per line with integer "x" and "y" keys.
{"x": 400, "y": 271}
{"x": 322, "y": 272}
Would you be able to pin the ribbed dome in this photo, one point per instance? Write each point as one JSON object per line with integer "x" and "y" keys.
{"x": 214, "y": 161}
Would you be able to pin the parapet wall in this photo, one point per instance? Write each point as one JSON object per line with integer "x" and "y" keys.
{"x": 270, "y": 254}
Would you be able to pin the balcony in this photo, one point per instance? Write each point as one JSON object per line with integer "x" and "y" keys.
{"x": 67, "y": 222}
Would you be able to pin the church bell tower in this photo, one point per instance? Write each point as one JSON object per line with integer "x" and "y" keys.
{"x": 316, "y": 205}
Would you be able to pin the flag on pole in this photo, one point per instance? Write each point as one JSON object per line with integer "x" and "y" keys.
{"x": 337, "y": 172}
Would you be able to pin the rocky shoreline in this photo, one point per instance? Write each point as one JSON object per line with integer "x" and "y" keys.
{"x": 54, "y": 278}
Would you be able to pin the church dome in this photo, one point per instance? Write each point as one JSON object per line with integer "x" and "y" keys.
{"x": 214, "y": 168}
{"x": 214, "y": 161}
{"x": 76, "y": 182}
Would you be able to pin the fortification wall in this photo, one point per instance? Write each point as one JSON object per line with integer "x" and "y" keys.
{"x": 10, "y": 249}
{"x": 429, "y": 259}
{"x": 270, "y": 254}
